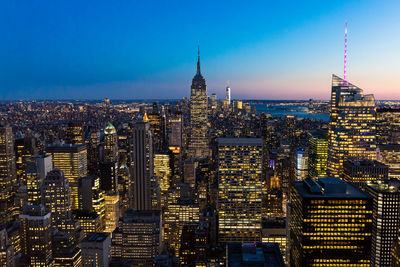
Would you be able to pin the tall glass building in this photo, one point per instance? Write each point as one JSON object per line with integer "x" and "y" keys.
{"x": 352, "y": 126}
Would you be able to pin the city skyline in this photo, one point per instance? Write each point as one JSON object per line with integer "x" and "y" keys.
{"x": 138, "y": 51}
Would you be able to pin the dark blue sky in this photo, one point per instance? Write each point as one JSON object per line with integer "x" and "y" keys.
{"x": 147, "y": 49}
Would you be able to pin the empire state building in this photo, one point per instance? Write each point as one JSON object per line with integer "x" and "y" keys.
{"x": 198, "y": 139}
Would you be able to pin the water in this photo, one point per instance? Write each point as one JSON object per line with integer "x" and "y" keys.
{"x": 295, "y": 110}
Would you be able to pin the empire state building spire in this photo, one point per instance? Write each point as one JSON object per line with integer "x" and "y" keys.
{"x": 198, "y": 61}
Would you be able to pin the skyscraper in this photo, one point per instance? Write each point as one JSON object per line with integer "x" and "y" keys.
{"x": 96, "y": 250}
{"x": 72, "y": 160}
{"x": 198, "y": 139}
{"x": 352, "y": 127}
{"x": 37, "y": 168}
{"x": 56, "y": 199}
{"x": 75, "y": 133}
{"x": 240, "y": 189}
{"x": 36, "y": 235}
{"x": 318, "y": 154}
{"x": 143, "y": 166}
{"x": 359, "y": 172}
{"x": 385, "y": 226}
{"x": 330, "y": 224}
{"x": 110, "y": 144}
{"x": 162, "y": 170}
{"x": 138, "y": 237}
{"x": 112, "y": 212}
{"x": 228, "y": 95}
{"x": 8, "y": 174}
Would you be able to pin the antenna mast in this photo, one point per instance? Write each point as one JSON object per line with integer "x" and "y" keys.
{"x": 345, "y": 53}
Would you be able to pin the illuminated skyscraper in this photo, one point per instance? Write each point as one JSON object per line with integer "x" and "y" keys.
{"x": 162, "y": 170}
{"x": 72, "y": 160}
{"x": 385, "y": 227}
{"x": 240, "y": 189}
{"x": 25, "y": 147}
{"x": 352, "y": 127}
{"x": 110, "y": 144}
{"x": 56, "y": 199}
{"x": 198, "y": 140}
{"x": 143, "y": 166}
{"x": 37, "y": 168}
{"x": 36, "y": 236}
{"x": 8, "y": 176}
{"x": 330, "y": 224}
{"x": 91, "y": 197}
{"x": 109, "y": 165}
{"x": 302, "y": 165}
{"x": 138, "y": 237}
{"x": 175, "y": 135}
{"x": 156, "y": 127}
{"x": 93, "y": 154}
{"x": 112, "y": 212}
{"x": 388, "y": 126}
{"x": 181, "y": 208}
{"x": 75, "y": 133}
{"x": 318, "y": 154}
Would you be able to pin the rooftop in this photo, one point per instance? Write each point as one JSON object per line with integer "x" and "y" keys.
{"x": 254, "y": 254}
{"x": 328, "y": 187}
{"x": 96, "y": 237}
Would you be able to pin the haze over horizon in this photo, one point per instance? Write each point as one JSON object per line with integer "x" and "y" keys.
{"x": 133, "y": 50}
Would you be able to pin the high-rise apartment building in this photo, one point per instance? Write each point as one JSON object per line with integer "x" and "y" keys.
{"x": 318, "y": 154}
{"x": 72, "y": 160}
{"x": 240, "y": 184}
{"x": 330, "y": 224}
{"x": 352, "y": 126}
{"x": 385, "y": 227}
{"x": 143, "y": 166}
{"x": 198, "y": 139}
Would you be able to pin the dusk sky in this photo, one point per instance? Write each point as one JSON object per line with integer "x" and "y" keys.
{"x": 148, "y": 49}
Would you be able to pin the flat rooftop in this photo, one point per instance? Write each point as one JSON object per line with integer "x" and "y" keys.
{"x": 328, "y": 187}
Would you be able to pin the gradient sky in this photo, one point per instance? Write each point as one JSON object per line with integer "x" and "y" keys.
{"x": 148, "y": 49}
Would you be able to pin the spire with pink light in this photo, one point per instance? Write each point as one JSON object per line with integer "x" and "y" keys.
{"x": 345, "y": 53}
